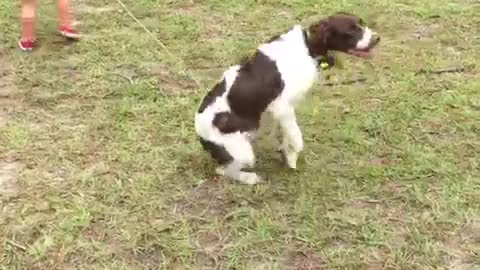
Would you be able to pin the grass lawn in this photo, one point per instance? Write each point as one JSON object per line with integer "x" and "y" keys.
{"x": 100, "y": 167}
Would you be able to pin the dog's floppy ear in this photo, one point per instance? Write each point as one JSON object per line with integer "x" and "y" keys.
{"x": 319, "y": 34}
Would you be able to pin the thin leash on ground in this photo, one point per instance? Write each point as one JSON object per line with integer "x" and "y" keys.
{"x": 164, "y": 47}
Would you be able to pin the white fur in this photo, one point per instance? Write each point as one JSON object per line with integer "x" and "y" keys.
{"x": 299, "y": 72}
{"x": 366, "y": 39}
{"x": 237, "y": 143}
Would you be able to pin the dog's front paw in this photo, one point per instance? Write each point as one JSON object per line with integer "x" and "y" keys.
{"x": 220, "y": 171}
{"x": 291, "y": 159}
{"x": 250, "y": 178}
{"x": 298, "y": 145}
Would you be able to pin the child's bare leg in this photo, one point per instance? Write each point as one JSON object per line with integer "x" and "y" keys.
{"x": 28, "y": 20}
{"x": 65, "y": 18}
{"x": 64, "y": 12}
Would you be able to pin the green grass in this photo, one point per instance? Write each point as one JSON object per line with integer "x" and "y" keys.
{"x": 112, "y": 175}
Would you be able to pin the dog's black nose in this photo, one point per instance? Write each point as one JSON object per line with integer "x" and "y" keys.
{"x": 376, "y": 39}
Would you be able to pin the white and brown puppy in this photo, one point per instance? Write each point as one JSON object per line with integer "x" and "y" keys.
{"x": 279, "y": 75}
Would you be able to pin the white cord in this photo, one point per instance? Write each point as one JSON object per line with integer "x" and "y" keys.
{"x": 160, "y": 43}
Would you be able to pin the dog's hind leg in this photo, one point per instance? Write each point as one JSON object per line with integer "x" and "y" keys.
{"x": 241, "y": 151}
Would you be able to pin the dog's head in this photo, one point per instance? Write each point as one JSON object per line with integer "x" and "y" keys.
{"x": 342, "y": 32}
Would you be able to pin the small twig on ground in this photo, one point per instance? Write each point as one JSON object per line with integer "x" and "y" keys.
{"x": 445, "y": 70}
{"x": 208, "y": 67}
{"x": 124, "y": 77}
{"x": 10, "y": 242}
{"x": 346, "y": 82}
{"x": 372, "y": 201}
{"x": 421, "y": 71}
{"x": 396, "y": 219}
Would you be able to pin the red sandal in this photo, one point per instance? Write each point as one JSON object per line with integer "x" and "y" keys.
{"x": 27, "y": 45}
{"x": 69, "y": 32}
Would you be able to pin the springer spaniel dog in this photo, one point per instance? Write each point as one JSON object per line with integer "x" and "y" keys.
{"x": 273, "y": 80}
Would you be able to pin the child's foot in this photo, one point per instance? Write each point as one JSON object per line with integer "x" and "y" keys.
{"x": 27, "y": 45}
{"x": 69, "y": 32}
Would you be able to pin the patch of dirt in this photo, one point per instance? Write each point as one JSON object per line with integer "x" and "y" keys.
{"x": 95, "y": 232}
{"x": 7, "y": 91}
{"x": 98, "y": 231}
{"x": 168, "y": 82}
{"x": 3, "y": 118}
{"x": 213, "y": 27}
{"x": 397, "y": 238}
{"x": 364, "y": 203}
{"x": 304, "y": 260}
{"x": 433, "y": 125}
{"x": 375, "y": 259}
{"x": 380, "y": 160}
{"x": 461, "y": 247}
{"x": 9, "y": 172}
{"x": 390, "y": 211}
{"x": 372, "y": 104}
{"x": 395, "y": 188}
{"x": 187, "y": 8}
{"x": 209, "y": 242}
{"x": 285, "y": 14}
{"x": 210, "y": 247}
{"x": 423, "y": 32}
{"x": 338, "y": 242}
{"x": 206, "y": 201}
